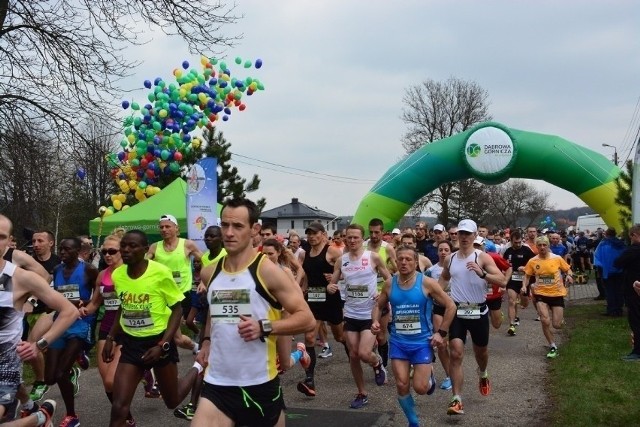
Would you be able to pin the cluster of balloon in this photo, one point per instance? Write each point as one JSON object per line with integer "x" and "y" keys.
{"x": 548, "y": 223}
{"x": 159, "y": 134}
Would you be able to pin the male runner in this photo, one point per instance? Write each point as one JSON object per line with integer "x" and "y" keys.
{"x": 517, "y": 255}
{"x": 246, "y": 294}
{"x": 467, "y": 271}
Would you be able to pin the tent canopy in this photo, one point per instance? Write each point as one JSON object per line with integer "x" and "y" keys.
{"x": 145, "y": 215}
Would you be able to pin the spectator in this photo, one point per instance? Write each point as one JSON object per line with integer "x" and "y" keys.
{"x": 609, "y": 249}
{"x": 629, "y": 262}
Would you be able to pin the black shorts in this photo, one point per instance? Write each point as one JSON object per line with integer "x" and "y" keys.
{"x": 478, "y": 328}
{"x": 186, "y": 304}
{"x": 134, "y": 347}
{"x": 438, "y": 309}
{"x": 551, "y": 301}
{"x": 357, "y": 325}
{"x": 256, "y": 405}
{"x": 494, "y": 304}
{"x": 328, "y": 311}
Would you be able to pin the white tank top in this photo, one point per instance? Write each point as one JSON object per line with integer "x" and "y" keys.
{"x": 466, "y": 285}
{"x": 232, "y": 361}
{"x": 10, "y": 318}
{"x": 361, "y": 286}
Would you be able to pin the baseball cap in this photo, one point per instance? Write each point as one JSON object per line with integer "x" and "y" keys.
{"x": 315, "y": 227}
{"x": 479, "y": 240}
{"x": 169, "y": 217}
{"x": 395, "y": 231}
{"x": 467, "y": 225}
{"x": 438, "y": 227}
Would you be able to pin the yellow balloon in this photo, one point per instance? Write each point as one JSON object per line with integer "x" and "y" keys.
{"x": 108, "y": 212}
{"x": 113, "y": 198}
{"x": 131, "y": 138}
{"x": 125, "y": 207}
{"x": 122, "y": 198}
{"x": 117, "y": 204}
{"x": 163, "y": 113}
{"x": 133, "y": 185}
{"x": 195, "y": 143}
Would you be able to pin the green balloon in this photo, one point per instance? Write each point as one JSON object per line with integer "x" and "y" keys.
{"x": 142, "y": 185}
{"x": 238, "y": 60}
{"x": 164, "y": 154}
{"x": 151, "y": 97}
{"x": 137, "y": 121}
{"x": 174, "y": 167}
{"x": 247, "y": 64}
{"x": 124, "y": 143}
{"x": 157, "y": 125}
{"x": 135, "y": 106}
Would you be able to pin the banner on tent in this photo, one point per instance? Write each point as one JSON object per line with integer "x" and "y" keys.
{"x": 202, "y": 199}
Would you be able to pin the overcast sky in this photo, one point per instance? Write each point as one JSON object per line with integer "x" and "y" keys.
{"x": 335, "y": 73}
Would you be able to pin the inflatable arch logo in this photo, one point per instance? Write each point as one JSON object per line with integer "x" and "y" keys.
{"x": 492, "y": 153}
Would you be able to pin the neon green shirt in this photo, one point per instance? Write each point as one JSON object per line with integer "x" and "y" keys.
{"x": 178, "y": 262}
{"x": 145, "y": 301}
{"x": 205, "y": 257}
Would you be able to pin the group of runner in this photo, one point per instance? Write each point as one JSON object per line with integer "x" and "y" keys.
{"x": 381, "y": 301}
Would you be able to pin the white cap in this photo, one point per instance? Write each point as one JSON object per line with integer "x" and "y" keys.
{"x": 479, "y": 240}
{"x": 396, "y": 231}
{"x": 467, "y": 225}
{"x": 169, "y": 217}
{"x": 438, "y": 227}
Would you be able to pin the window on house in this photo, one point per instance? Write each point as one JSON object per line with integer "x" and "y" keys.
{"x": 293, "y": 225}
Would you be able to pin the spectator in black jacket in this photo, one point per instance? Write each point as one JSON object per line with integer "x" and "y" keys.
{"x": 629, "y": 262}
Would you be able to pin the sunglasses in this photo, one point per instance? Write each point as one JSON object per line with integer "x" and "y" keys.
{"x": 111, "y": 251}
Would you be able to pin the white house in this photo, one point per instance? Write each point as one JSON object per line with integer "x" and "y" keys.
{"x": 297, "y": 216}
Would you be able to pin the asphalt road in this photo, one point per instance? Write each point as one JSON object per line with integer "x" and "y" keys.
{"x": 517, "y": 368}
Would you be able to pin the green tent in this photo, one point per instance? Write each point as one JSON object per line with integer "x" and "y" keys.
{"x": 145, "y": 215}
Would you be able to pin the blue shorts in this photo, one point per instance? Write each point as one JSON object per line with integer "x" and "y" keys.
{"x": 417, "y": 354}
{"x": 80, "y": 329}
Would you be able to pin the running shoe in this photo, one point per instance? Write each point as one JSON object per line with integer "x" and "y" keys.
{"x": 48, "y": 408}
{"x": 307, "y": 387}
{"x": 432, "y": 384}
{"x": 326, "y": 352}
{"x": 186, "y": 412}
{"x": 537, "y": 319}
{"x": 24, "y": 413}
{"x": 305, "y": 360}
{"x": 455, "y": 407}
{"x": 38, "y": 390}
{"x": 74, "y": 375}
{"x": 153, "y": 393}
{"x": 446, "y": 384}
{"x": 631, "y": 357}
{"x": 359, "y": 401}
{"x": 485, "y": 386}
{"x": 130, "y": 422}
{"x": 553, "y": 353}
{"x": 512, "y": 330}
{"x": 516, "y": 321}
{"x": 380, "y": 373}
{"x": 70, "y": 421}
{"x": 83, "y": 360}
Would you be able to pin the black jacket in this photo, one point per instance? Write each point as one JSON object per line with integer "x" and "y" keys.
{"x": 629, "y": 262}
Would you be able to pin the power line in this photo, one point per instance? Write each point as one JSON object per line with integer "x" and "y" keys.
{"x": 628, "y": 144}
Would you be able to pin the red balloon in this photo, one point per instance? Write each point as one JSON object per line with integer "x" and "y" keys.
{"x": 144, "y": 162}
{"x": 177, "y": 156}
{"x": 151, "y": 173}
{"x": 242, "y": 107}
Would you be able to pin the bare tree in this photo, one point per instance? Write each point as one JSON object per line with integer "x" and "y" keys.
{"x": 436, "y": 110}
{"x": 63, "y": 61}
{"x": 516, "y": 203}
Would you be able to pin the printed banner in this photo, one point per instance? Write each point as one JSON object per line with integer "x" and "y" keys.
{"x": 202, "y": 199}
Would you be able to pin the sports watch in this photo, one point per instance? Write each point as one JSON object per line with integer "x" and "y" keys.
{"x": 442, "y": 332}
{"x": 265, "y": 327}
{"x": 42, "y": 344}
{"x": 165, "y": 346}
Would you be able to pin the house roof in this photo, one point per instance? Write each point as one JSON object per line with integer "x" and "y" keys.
{"x": 295, "y": 209}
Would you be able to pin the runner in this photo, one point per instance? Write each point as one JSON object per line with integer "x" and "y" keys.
{"x": 16, "y": 286}
{"x": 424, "y": 263}
{"x": 549, "y": 291}
{"x": 325, "y": 303}
{"x": 147, "y": 320}
{"x": 411, "y": 296}
{"x": 360, "y": 270}
{"x": 494, "y": 290}
{"x": 466, "y": 270}
{"x": 517, "y": 255}
{"x": 213, "y": 242}
{"x": 246, "y": 292}
{"x": 444, "y": 249}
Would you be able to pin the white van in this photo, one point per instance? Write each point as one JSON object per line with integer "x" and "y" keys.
{"x": 590, "y": 223}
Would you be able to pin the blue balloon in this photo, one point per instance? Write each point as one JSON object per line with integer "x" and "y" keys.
{"x": 157, "y": 81}
{"x": 258, "y": 63}
{"x": 125, "y": 104}
{"x": 81, "y": 173}
{"x": 147, "y": 84}
{"x": 185, "y": 64}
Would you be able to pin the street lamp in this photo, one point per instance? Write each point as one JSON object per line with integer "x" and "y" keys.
{"x": 615, "y": 153}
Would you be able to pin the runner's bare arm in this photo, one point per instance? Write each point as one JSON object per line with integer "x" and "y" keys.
{"x": 192, "y": 249}
{"x": 494, "y": 275}
{"x": 391, "y": 259}
{"x": 151, "y": 254}
{"x": 381, "y": 268}
{"x": 381, "y": 303}
{"x": 26, "y": 261}
{"x": 96, "y": 298}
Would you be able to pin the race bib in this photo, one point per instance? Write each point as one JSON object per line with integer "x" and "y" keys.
{"x": 138, "y": 319}
{"x": 468, "y": 311}
{"x": 317, "y": 294}
{"x": 110, "y": 300}
{"x": 176, "y": 277}
{"x": 358, "y": 291}
{"x": 228, "y": 305}
{"x": 194, "y": 287}
{"x": 70, "y": 292}
{"x": 407, "y": 324}
{"x": 517, "y": 276}
{"x": 547, "y": 280}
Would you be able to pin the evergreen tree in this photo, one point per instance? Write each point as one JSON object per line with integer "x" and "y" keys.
{"x": 623, "y": 198}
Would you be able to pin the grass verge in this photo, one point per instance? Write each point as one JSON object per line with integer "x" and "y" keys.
{"x": 589, "y": 384}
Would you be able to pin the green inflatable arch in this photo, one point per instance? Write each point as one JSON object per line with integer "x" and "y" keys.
{"x": 492, "y": 153}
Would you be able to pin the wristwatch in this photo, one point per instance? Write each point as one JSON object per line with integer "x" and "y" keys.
{"x": 484, "y": 274}
{"x": 165, "y": 346}
{"x": 265, "y": 327}
{"x": 442, "y": 333}
{"x": 42, "y": 344}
